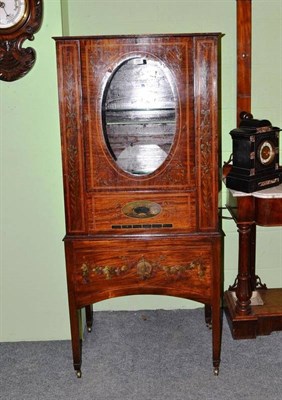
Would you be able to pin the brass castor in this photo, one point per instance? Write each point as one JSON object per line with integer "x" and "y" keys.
{"x": 89, "y": 329}
{"x": 209, "y": 325}
{"x": 78, "y": 373}
{"x": 216, "y": 371}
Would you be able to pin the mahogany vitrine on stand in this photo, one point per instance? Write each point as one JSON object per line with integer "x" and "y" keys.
{"x": 139, "y": 128}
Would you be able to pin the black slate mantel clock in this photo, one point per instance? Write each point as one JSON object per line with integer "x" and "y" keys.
{"x": 19, "y": 20}
{"x": 255, "y": 155}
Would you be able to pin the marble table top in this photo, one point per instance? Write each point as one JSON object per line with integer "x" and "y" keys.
{"x": 270, "y": 193}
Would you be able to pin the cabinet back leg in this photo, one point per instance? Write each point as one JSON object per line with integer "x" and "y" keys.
{"x": 89, "y": 317}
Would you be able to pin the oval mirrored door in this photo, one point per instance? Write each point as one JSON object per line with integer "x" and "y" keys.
{"x": 139, "y": 115}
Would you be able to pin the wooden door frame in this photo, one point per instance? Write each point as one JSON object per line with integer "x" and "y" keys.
{"x": 244, "y": 56}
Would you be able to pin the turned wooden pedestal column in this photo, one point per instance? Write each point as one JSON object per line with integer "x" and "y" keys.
{"x": 246, "y": 320}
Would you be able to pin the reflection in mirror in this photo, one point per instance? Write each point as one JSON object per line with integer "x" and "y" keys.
{"x": 139, "y": 115}
{"x": 280, "y": 149}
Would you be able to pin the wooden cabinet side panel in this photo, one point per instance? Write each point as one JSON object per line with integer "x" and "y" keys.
{"x": 206, "y": 130}
{"x": 69, "y": 82}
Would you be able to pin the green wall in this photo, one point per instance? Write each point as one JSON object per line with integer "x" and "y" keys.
{"x": 33, "y": 291}
{"x": 33, "y": 284}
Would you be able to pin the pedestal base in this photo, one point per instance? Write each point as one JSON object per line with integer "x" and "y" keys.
{"x": 263, "y": 319}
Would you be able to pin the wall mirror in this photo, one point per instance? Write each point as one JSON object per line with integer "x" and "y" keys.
{"x": 139, "y": 112}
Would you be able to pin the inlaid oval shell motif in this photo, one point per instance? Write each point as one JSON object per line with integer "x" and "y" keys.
{"x": 141, "y": 209}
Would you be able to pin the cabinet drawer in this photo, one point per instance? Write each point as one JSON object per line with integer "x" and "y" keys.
{"x": 135, "y": 213}
{"x": 104, "y": 269}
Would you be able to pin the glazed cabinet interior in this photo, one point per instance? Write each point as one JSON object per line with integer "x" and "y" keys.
{"x": 139, "y": 130}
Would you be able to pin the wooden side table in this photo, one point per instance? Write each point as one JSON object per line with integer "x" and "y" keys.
{"x": 248, "y": 318}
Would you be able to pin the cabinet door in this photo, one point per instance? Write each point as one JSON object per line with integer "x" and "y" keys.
{"x": 139, "y": 110}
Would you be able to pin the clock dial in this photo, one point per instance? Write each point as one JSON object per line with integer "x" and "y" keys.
{"x": 12, "y": 13}
{"x": 266, "y": 152}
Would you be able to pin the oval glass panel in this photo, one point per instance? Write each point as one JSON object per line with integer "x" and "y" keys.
{"x": 139, "y": 115}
